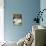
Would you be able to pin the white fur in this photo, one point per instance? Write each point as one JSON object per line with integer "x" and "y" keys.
{"x": 26, "y": 39}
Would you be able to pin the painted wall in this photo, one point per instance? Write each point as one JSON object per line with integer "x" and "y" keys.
{"x": 27, "y": 8}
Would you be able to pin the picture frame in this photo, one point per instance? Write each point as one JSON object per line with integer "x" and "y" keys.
{"x": 17, "y": 19}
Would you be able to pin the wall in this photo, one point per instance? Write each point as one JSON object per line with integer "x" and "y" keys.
{"x": 27, "y": 8}
{"x": 1, "y": 20}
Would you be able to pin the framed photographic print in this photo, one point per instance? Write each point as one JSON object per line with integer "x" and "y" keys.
{"x": 17, "y": 19}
